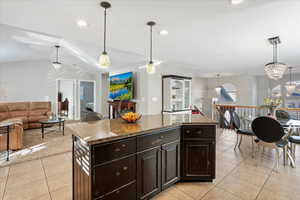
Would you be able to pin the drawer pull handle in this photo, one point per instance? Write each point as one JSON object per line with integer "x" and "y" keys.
{"x": 117, "y": 149}
{"x": 118, "y": 174}
{"x": 199, "y": 132}
{"x": 125, "y": 168}
{"x": 118, "y": 191}
{"x": 156, "y": 141}
{"x": 123, "y": 145}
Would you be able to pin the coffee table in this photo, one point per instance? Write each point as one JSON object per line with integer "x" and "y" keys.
{"x": 59, "y": 121}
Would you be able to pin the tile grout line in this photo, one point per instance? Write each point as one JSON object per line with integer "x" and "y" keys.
{"x": 38, "y": 158}
{"x": 215, "y": 186}
{"x": 46, "y": 179}
{"x": 267, "y": 179}
{"x": 4, "y": 192}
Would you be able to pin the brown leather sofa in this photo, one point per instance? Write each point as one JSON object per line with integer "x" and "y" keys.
{"x": 25, "y": 115}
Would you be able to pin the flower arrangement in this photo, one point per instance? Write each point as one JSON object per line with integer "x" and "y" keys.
{"x": 271, "y": 104}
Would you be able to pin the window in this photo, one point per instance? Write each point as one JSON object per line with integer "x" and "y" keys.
{"x": 228, "y": 93}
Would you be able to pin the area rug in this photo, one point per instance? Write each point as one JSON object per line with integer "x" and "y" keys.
{"x": 35, "y": 147}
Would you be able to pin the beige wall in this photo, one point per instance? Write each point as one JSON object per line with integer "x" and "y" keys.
{"x": 36, "y": 80}
{"x": 148, "y": 87}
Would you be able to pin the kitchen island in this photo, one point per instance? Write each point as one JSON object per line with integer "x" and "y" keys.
{"x": 113, "y": 159}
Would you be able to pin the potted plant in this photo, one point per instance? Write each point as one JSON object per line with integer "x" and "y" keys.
{"x": 271, "y": 104}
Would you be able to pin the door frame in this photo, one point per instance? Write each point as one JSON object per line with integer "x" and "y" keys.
{"x": 74, "y": 96}
{"x": 78, "y": 96}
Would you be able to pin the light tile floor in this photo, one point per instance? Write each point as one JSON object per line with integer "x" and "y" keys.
{"x": 239, "y": 176}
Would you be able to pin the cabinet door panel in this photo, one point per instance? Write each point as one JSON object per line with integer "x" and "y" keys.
{"x": 199, "y": 161}
{"x": 111, "y": 176}
{"x": 149, "y": 173}
{"x": 126, "y": 193}
{"x": 170, "y": 164}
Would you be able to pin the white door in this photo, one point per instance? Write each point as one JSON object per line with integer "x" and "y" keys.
{"x": 87, "y": 98}
{"x": 66, "y": 98}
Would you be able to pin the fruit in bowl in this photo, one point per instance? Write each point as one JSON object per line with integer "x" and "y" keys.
{"x": 131, "y": 117}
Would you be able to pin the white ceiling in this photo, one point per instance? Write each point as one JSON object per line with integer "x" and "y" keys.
{"x": 208, "y": 36}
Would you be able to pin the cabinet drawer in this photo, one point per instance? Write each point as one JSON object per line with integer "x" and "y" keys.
{"x": 114, "y": 150}
{"x": 109, "y": 177}
{"x": 127, "y": 192}
{"x": 157, "y": 139}
{"x": 198, "y": 132}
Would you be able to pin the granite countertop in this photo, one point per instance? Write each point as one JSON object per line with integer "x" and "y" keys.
{"x": 108, "y": 130}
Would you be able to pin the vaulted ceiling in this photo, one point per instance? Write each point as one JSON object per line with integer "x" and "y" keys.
{"x": 209, "y": 36}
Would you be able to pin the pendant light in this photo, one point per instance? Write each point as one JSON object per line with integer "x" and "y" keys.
{"x": 56, "y": 64}
{"x": 290, "y": 86}
{"x": 275, "y": 69}
{"x": 219, "y": 87}
{"x": 104, "y": 60}
{"x": 150, "y": 67}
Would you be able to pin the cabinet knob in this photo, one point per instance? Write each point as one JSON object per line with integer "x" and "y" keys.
{"x": 123, "y": 145}
{"x": 117, "y": 149}
{"x": 187, "y": 131}
{"x": 162, "y": 137}
{"x": 118, "y": 191}
{"x": 125, "y": 168}
{"x": 118, "y": 173}
{"x": 199, "y": 132}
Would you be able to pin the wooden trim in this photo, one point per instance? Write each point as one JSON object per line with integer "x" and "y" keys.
{"x": 176, "y": 77}
{"x": 237, "y": 106}
{"x": 254, "y": 107}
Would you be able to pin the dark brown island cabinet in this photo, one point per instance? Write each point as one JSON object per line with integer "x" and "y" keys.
{"x": 141, "y": 166}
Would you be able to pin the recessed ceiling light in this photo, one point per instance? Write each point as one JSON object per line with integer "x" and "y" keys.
{"x": 235, "y": 2}
{"x": 82, "y": 23}
{"x": 164, "y": 32}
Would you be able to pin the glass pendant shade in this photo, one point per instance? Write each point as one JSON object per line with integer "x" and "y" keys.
{"x": 104, "y": 60}
{"x": 56, "y": 65}
{"x": 151, "y": 68}
{"x": 290, "y": 87}
{"x": 218, "y": 89}
{"x": 275, "y": 70}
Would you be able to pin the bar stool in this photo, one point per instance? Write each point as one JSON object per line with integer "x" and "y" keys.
{"x": 4, "y": 130}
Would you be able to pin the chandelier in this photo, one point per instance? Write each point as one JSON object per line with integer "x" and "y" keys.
{"x": 290, "y": 86}
{"x": 275, "y": 69}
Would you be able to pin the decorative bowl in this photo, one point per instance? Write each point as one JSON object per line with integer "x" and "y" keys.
{"x": 131, "y": 117}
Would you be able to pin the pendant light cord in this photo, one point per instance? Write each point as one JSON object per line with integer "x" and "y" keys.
{"x": 151, "y": 43}
{"x": 290, "y": 75}
{"x": 105, "y": 30}
{"x": 57, "y": 54}
{"x": 275, "y": 52}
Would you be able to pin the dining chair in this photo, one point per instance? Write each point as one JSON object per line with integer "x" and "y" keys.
{"x": 271, "y": 134}
{"x": 240, "y": 133}
{"x": 293, "y": 141}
